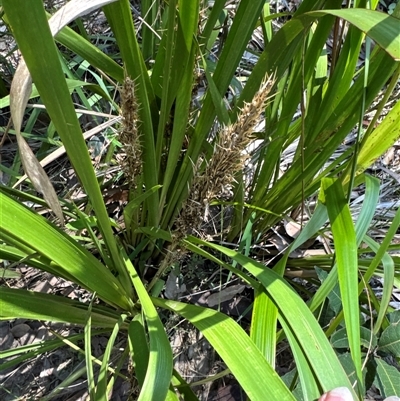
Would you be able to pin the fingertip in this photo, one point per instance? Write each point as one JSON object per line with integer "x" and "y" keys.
{"x": 338, "y": 394}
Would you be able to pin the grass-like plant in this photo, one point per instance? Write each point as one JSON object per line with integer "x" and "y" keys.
{"x": 184, "y": 154}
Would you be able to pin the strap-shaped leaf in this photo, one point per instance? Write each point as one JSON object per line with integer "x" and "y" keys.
{"x": 296, "y": 314}
{"x": 258, "y": 379}
{"x": 49, "y": 79}
{"x": 159, "y": 368}
{"x": 344, "y": 237}
{"x": 27, "y": 230}
{"x": 17, "y": 303}
{"x": 382, "y": 28}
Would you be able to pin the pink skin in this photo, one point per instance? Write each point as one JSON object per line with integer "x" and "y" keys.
{"x": 337, "y": 394}
{"x": 328, "y": 397}
{"x": 343, "y": 394}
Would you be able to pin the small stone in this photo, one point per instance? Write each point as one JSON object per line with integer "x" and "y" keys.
{"x": 20, "y": 330}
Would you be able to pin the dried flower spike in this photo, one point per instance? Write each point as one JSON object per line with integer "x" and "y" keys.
{"x": 228, "y": 159}
{"x": 129, "y": 137}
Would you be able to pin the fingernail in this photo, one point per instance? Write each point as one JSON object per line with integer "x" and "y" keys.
{"x": 340, "y": 393}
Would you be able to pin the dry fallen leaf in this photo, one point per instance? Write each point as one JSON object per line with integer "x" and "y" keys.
{"x": 172, "y": 287}
{"x": 20, "y": 91}
{"x": 225, "y": 295}
{"x": 292, "y": 228}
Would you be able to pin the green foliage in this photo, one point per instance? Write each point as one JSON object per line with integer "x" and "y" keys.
{"x": 377, "y": 349}
{"x": 184, "y": 152}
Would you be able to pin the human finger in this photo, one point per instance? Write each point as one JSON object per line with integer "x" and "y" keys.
{"x": 344, "y": 394}
{"x": 337, "y": 394}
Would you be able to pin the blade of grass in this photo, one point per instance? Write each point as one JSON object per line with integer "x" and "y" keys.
{"x": 88, "y": 350}
{"x": 381, "y": 27}
{"x": 139, "y": 348}
{"x": 265, "y": 312}
{"x": 380, "y": 139}
{"x": 159, "y": 369}
{"x": 183, "y": 387}
{"x": 309, "y": 385}
{"x": 17, "y": 303}
{"x": 213, "y": 19}
{"x": 362, "y": 225}
{"x": 65, "y": 256}
{"x": 227, "y": 337}
{"x": 149, "y": 11}
{"x": 101, "y": 389}
{"x": 309, "y": 334}
{"x": 120, "y": 19}
{"x": 50, "y": 82}
{"x": 373, "y": 265}
{"x": 347, "y": 265}
{"x": 263, "y": 325}
{"x": 119, "y": 366}
{"x": 388, "y": 283}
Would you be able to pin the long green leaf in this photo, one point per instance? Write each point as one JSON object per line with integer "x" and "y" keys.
{"x": 236, "y": 42}
{"x": 48, "y": 76}
{"x": 382, "y": 28}
{"x": 380, "y": 139}
{"x": 367, "y": 209}
{"x": 159, "y": 369}
{"x": 120, "y": 19}
{"x": 20, "y": 227}
{"x": 265, "y": 313}
{"x": 388, "y": 282}
{"x": 16, "y": 303}
{"x": 92, "y": 54}
{"x": 363, "y": 223}
{"x": 101, "y": 389}
{"x": 347, "y": 265}
{"x": 184, "y": 388}
{"x": 309, "y": 385}
{"x": 139, "y": 346}
{"x": 264, "y": 320}
{"x": 303, "y": 324}
{"x": 88, "y": 351}
{"x": 236, "y": 349}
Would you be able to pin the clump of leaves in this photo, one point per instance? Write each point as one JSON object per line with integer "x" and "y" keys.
{"x": 171, "y": 157}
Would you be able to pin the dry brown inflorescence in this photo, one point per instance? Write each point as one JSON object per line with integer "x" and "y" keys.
{"x": 228, "y": 159}
{"x": 209, "y": 183}
{"x": 129, "y": 134}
